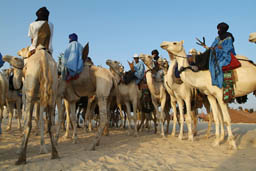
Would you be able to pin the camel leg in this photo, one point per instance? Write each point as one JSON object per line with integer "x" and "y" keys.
{"x": 1, "y": 118}
{"x": 128, "y": 108}
{"x": 173, "y": 104}
{"x": 26, "y": 133}
{"x": 207, "y": 106}
{"x": 189, "y": 119}
{"x": 222, "y": 130}
{"x": 19, "y": 113}
{"x": 102, "y": 102}
{"x": 194, "y": 115}
{"x": 67, "y": 106}
{"x": 167, "y": 117}
{"x": 43, "y": 149}
{"x": 142, "y": 121}
{"x": 215, "y": 111}
{"x": 122, "y": 115}
{"x": 37, "y": 119}
{"x": 72, "y": 115}
{"x": 135, "y": 118}
{"x": 155, "y": 121}
{"x": 181, "y": 109}
{"x": 162, "y": 114}
{"x": 227, "y": 120}
{"x": 60, "y": 118}
{"x": 10, "y": 107}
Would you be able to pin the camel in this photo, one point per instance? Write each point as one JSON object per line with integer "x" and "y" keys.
{"x": 14, "y": 95}
{"x": 125, "y": 94}
{"x": 245, "y": 84}
{"x": 4, "y": 87}
{"x": 92, "y": 80}
{"x": 252, "y": 37}
{"x": 157, "y": 90}
{"x": 40, "y": 83}
{"x": 179, "y": 93}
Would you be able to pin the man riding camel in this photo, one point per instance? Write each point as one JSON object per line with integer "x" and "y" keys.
{"x": 72, "y": 61}
{"x": 224, "y": 48}
{"x": 41, "y": 31}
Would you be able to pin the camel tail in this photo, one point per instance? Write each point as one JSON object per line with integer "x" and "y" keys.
{"x": 46, "y": 89}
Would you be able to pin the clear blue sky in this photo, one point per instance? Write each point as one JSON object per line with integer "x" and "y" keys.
{"x": 116, "y": 29}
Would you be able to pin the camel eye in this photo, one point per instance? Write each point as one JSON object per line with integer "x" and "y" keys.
{"x": 174, "y": 43}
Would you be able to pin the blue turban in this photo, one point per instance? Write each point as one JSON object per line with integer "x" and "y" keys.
{"x": 73, "y": 37}
{"x": 1, "y": 60}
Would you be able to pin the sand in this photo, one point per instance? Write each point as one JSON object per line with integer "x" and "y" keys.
{"x": 118, "y": 151}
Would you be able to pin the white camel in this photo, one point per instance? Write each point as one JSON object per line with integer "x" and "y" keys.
{"x": 157, "y": 90}
{"x": 14, "y": 95}
{"x": 125, "y": 94}
{"x": 245, "y": 84}
{"x": 40, "y": 73}
{"x": 92, "y": 80}
{"x": 252, "y": 37}
{"x": 179, "y": 92}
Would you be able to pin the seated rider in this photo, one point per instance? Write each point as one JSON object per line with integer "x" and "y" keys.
{"x": 155, "y": 55}
{"x": 72, "y": 60}
{"x": 41, "y": 31}
{"x": 221, "y": 56}
{"x": 139, "y": 68}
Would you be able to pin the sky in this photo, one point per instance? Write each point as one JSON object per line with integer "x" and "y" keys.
{"x": 117, "y": 29}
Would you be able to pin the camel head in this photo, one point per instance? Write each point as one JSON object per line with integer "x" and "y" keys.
{"x": 173, "y": 48}
{"x": 252, "y": 37}
{"x": 24, "y": 52}
{"x": 115, "y": 66}
{"x": 148, "y": 60}
{"x": 14, "y": 61}
{"x": 163, "y": 63}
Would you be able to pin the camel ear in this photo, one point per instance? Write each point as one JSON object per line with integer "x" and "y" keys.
{"x": 85, "y": 52}
{"x": 182, "y": 42}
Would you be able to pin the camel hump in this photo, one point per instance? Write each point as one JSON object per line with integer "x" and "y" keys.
{"x": 44, "y": 35}
{"x": 241, "y": 57}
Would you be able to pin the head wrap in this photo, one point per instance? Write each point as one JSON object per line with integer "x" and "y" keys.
{"x": 222, "y": 31}
{"x": 42, "y": 14}
{"x": 72, "y": 37}
{"x": 155, "y": 51}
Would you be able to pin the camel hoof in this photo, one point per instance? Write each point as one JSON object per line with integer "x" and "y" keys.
{"x": 173, "y": 134}
{"x": 55, "y": 156}
{"x": 232, "y": 145}
{"x": 92, "y": 148}
{"x": 43, "y": 150}
{"x": 191, "y": 139}
{"x": 216, "y": 143}
{"x": 20, "y": 162}
{"x": 8, "y": 128}
{"x": 180, "y": 137}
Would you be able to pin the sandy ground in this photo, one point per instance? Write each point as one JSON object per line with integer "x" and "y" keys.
{"x": 118, "y": 151}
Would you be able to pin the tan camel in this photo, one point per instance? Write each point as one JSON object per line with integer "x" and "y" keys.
{"x": 4, "y": 87}
{"x": 179, "y": 93}
{"x": 40, "y": 73}
{"x": 14, "y": 95}
{"x": 92, "y": 80}
{"x": 157, "y": 90}
{"x": 252, "y": 37}
{"x": 246, "y": 83}
{"x": 125, "y": 94}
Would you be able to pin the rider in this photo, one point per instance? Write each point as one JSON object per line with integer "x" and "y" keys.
{"x": 221, "y": 56}
{"x": 139, "y": 68}
{"x": 41, "y": 31}
{"x": 72, "y": 61}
